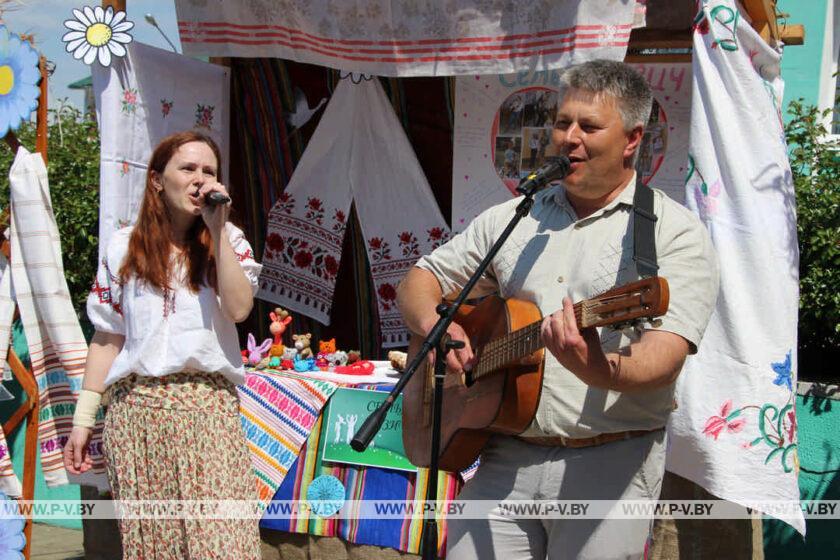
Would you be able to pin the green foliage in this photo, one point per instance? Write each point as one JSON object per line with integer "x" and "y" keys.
{"x": 73, "y": 171}
{"x": 815, "y": 163}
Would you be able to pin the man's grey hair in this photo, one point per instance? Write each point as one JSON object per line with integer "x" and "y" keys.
{"x": 622, "y": 82}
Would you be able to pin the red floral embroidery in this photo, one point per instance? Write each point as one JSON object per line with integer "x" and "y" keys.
{"x": 309, "y": 257}
{"x": 286, "y": 203}
{"x": 340, "y": 221}
{"x": 792, "y": 427}
{"x": 247, "y": 255}
{"x": 315, "y": 210}
{"x": 437, "y": 237}
{"x": 387, "y": 294}
{"x": 303, "y": 259}
{"x": 379, "y": 249}
{"x": 408, "y": 243}
{"x": 716, "y": 424}
{"x": 330, "y": 265}
{"x": 275, "y": 242}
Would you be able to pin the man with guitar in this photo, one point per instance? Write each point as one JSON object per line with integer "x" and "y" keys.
{"x": 605, "y": 395}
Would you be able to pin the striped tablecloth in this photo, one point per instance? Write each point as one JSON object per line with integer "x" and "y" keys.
{"x": 281, "y": 417}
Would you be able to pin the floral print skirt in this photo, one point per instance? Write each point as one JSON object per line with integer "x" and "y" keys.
{"x": 179, "y": 437}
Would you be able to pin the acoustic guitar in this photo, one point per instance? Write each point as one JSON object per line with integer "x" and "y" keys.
{"x": 502, "y": 392}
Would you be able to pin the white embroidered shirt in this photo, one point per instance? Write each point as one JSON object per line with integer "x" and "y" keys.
{"x": 167, "y": 332}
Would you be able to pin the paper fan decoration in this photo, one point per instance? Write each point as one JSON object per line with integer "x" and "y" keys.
{"x": 19, "y": 76}
{"x": 97, "y": 33}
{"x": 325, "y": 495}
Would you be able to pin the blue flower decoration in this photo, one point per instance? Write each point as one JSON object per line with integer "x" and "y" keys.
{"x": 19, "y": 77}
{"x": 12, "y": 539}
{"x": 325, "y": 495}
{"x": 783, "y": 373}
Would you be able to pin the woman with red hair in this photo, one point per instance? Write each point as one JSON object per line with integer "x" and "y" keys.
{"x": 166, "y": 297}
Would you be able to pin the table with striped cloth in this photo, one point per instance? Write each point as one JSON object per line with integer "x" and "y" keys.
{"x": 278, "y": 411}
{"x": 281, "y": 416}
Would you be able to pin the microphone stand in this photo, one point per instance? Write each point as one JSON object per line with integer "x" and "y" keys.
{"x": 439, "y": 340}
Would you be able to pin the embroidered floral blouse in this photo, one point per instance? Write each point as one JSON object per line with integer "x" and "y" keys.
{"x": 172, "y": 331}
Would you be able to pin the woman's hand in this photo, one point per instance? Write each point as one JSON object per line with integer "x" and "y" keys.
{"x": 76, "y": 453}
{"x": 214, "y": 215}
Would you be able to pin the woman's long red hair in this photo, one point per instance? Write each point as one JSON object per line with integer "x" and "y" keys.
{"x": 151, "y": 241}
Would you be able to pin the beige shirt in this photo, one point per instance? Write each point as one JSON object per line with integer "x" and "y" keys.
{"x": 551, "y": 254}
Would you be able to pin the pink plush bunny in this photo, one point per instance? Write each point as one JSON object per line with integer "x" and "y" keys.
{"x": 256, "y": 353}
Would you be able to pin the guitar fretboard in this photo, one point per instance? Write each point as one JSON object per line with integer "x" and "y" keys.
{"x": 512, "y": 347}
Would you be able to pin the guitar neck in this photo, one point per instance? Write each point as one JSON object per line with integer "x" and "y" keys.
{"x": 643, "y": 299}
{"x": 515, "y": 345}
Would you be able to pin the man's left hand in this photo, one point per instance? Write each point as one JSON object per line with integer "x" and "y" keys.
{"x": 578, "y": 351}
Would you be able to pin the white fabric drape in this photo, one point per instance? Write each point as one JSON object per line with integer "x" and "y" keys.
{"x": 359, "y": 153}
{"x": 34, "y": 279}
{"x": 141, "y": 98}
{"x": 734, "y": 430}
{"x": 412, "y": 38}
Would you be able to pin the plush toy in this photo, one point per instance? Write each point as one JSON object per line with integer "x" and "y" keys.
{"x": 302, "y": 345}
{"x": 287, "y": 364}
{"x": 274, "y": 362}
{"x": 321, "y": 361}
{"x": 277, "y": 351}
{"x": 326, "y": 346}
{"x": 289, "y": 354}
{"x": 338, "y": 358}
{"x": 398, "y": 359}
{"x": 256, "y": 353}
{"x": 353, "y": 356}
{"x": 280, "y": 318}
{"x": 245, "y": 357}
{"x": 305, "y": 364}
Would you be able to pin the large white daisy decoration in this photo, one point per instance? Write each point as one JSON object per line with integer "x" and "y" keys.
{"x": 97, "y": 33}
{"x": 19, "y": 77}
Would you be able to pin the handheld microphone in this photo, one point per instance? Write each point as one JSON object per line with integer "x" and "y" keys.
{"x": 553, "y": 169}
{"x": 216, "y": 198}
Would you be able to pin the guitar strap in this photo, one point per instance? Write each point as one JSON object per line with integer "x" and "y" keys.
{"x": 644, "y": 246}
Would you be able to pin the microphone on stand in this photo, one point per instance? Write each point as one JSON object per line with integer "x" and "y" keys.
{"x": 553, "y": 169}
{"x": 216, "y": 198}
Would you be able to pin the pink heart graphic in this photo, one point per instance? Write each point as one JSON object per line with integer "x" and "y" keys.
{"x": 465, "y": 114}
{"x": 466, "y": 177}
{"x": 461, "y": 220}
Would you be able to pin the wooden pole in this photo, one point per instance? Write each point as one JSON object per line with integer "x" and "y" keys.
{"x": 118, "y": 5}
{"x": 41, "y": 122}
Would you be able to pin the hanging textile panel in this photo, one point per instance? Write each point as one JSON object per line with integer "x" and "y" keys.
{"x": 141, "y": 98}
{"x": 360, "y": 154}
{"x": 436, "y": 38}
{"x": 734, "y": 428}
{"x": 34, "y": 280}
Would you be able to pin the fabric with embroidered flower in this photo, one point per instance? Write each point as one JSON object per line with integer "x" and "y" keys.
{"x": 358, "y": 154}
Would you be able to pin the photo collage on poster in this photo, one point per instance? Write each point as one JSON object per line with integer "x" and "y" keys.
{"x": 523, "y": 133}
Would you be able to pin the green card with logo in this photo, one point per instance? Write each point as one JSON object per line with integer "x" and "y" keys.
{"x": 345, "y": 414}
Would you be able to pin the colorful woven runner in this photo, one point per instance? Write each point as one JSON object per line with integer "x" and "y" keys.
{"x": 278, "y": 411}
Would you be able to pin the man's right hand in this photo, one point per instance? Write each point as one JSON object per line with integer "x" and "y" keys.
{"x": 457, "y": 361}
{"x": 76, "y": 453}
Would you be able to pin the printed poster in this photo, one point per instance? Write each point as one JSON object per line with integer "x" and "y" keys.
{"x": 345, "y": 414}
{"x": 503, "y": 126}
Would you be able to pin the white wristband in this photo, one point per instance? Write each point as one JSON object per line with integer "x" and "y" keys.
{"x": 86, "y": 408}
